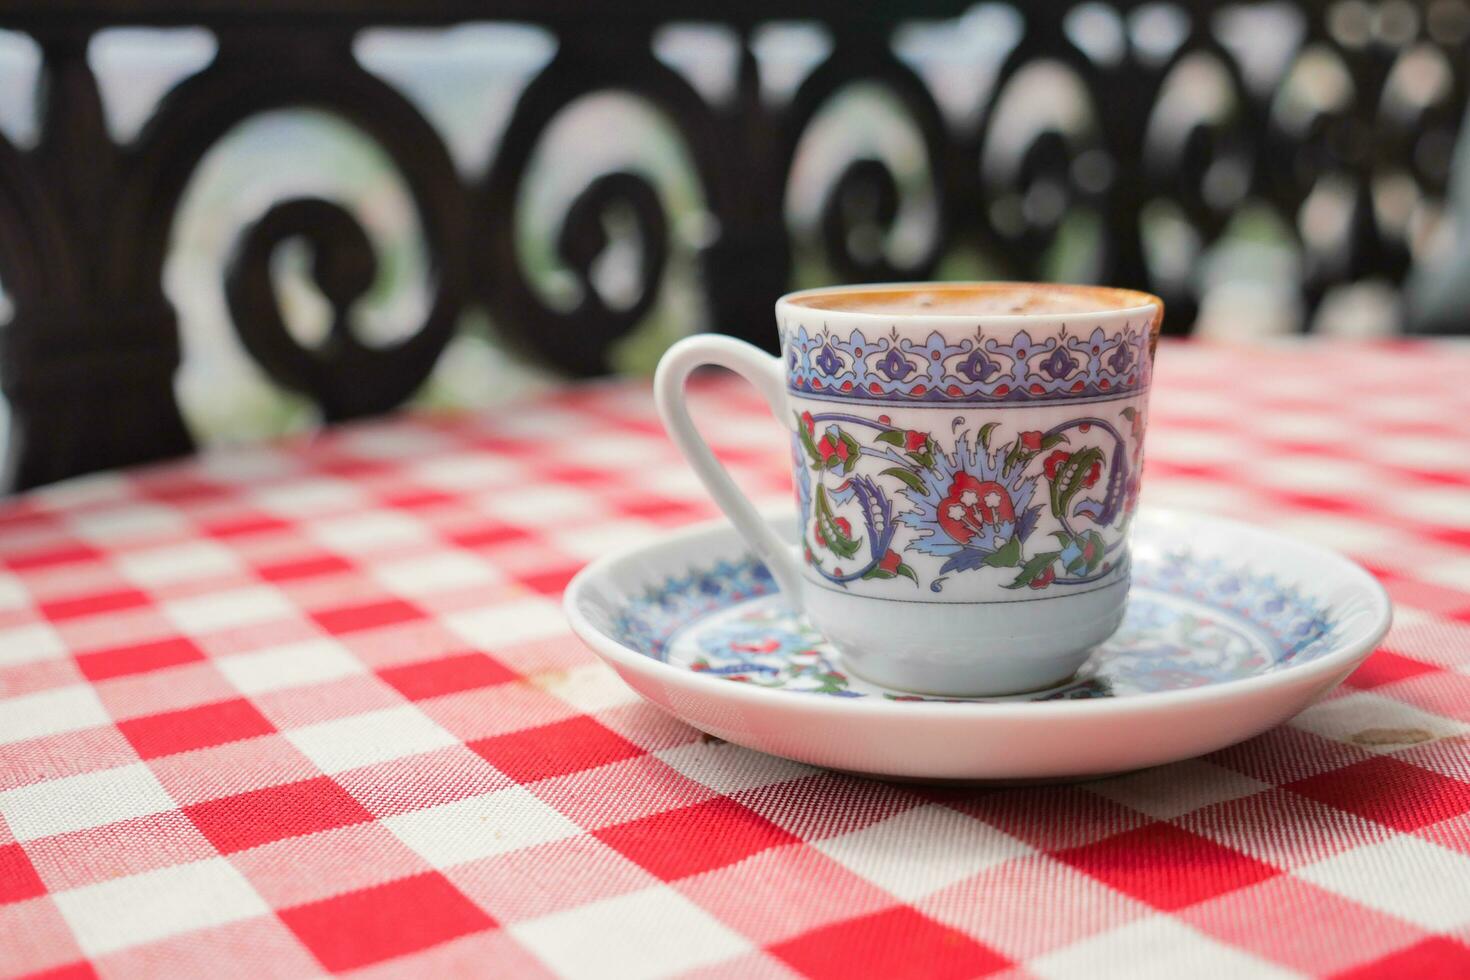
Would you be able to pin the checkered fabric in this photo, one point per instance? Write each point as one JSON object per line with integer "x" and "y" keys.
{"x": 313, "y": 708}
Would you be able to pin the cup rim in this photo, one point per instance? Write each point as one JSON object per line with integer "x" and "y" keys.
{"x": 1132, "y": 302}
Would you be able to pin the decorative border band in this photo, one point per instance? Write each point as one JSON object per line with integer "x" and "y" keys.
{"x": 975, "y": 370}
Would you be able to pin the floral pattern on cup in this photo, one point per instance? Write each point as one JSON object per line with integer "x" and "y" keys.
{"x": 1034, "y": 506}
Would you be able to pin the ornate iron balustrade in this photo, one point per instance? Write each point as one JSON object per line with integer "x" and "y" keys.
{"x": 89, "y": 355}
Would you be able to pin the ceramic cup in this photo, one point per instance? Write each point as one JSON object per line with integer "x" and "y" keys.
{"x": 966, "y": 460}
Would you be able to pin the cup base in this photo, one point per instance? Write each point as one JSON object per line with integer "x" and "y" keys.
{"x": 964, "y": 650}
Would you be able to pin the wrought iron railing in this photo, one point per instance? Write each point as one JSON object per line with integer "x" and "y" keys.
{"x": 1374, "y": 92}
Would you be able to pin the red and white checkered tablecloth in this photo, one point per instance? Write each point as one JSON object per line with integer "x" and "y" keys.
{"x": 313, "y": 708}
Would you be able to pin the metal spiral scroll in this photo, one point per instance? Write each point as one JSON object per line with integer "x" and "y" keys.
{"x": 865, "y": 193}
{"x": 345, "y": 377}
{"x": 580, "y": 340}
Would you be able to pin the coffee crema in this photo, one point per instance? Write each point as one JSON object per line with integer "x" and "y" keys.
{"x": 976, "y": 299}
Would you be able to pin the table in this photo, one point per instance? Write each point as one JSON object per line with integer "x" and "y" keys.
{"x": 312, "y": 707}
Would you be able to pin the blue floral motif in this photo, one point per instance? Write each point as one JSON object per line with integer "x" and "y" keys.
{"x": 827, "y": 360}
{"x": 895, "y": 366}
{"x": 1121, "y": 359}
{"x": 1059, "y": 365}
{"x": 977, "y": 367}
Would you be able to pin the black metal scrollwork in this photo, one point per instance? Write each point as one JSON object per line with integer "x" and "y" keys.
{"x": 88, "y": 356}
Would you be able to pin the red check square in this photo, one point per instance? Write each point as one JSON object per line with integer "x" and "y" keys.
{"x": 241, "y": 525}
{"x": 90, "y": 605}
{"x": 1436, "y": 958}
{"x": 896, "y": 944}
{"x": 554, "y": 750}
{"x": 1397, "y": 794}
{"x": 235, "y": 823}
{"x": 446, "y": 675}
{"x": 300, "y": 568}
{"x": 389, "y": 920}
{"x": 692, "y": 839}
{"x": 552, "y": 582}
{"x": 71, "y": 971}
{"x": 194, "y": 728}
{"x": 56, "y": 555}
{"x": 485, "y": 535}
{"x": 1167, "y": 867}
{"x": 18, "y": 878}
{"x": 1387, "y": 667}
{"x": 414, "y": 498}
{"x": 350, "y": 619}
{"x": 137, "y": 658}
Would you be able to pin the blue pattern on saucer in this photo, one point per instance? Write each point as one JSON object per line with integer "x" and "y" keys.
{"x": 1190, "y": 622}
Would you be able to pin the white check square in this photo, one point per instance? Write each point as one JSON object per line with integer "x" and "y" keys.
{"x": 147, "y": 907}
{"x": 376, "y": 736}
{"x": 108, "y": 525}
{"x": 1156, "y": 948}
{"x": 600, "y": 539}
{"x": 1359, "y": 718}
{"x": 50, "y": 712}
{"x": 481, "y": 826}
{"x": 521, "y": 621}
{"x": 549, "y": 504}
{"x": 306, "y": 497}
{"x": 465, "y": 471}
{"x": 432, "y": 574}
{"x": 590, "y": 688}
{"x": 28, "y": 643}
{"x": 363, "y": 533}
{"x": 651, "y": 933}
{"x": 184, "y": 562}
{"x": 727, "y": 768}
{"x": 1166, "y": 792}
{"x": 292, "y": 665}
{"x": 226, "y": 610}
{"x": 1405, "y": 876}
{"x": 13, "y": 594}
{"x": 91, "y": 799}
{"x": 1445, "y": 506}
{"x": 922, "y": 850}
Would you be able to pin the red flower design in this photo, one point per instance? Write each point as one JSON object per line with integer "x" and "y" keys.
{"x": 914, "y": 440}
{"x": 1044, "y": 579}
{"x": 971, "y": 505}
{"x": 1031, "y": 442}
{"x": 769, "y": 646}
{"x": 1089, "y": 550}
{"x": 828, "y": 447}
{"x": 809, "y": 422}
{"x": 890, "y": 562}
{"x": 1058, "y": 459}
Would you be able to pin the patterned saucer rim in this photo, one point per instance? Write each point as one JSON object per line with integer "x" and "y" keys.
{"x": 657, "y": 559}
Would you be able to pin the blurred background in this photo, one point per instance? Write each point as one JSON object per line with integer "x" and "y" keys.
{"x": 1271, "y": 168}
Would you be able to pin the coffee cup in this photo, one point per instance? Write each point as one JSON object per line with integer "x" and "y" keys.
{"x": 966, "y": 461}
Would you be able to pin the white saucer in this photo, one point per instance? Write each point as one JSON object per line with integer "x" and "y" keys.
{"x": 1230, "y": 630}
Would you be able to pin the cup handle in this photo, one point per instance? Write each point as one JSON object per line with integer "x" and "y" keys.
{"x": 767, "y": 374}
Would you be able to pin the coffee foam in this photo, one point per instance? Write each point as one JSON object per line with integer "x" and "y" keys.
{"x": 998, "y": 299}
